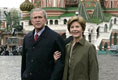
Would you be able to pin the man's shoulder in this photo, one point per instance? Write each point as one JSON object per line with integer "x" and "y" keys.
{"x": 29, "y": 34}
{"x": 52, "y": 32}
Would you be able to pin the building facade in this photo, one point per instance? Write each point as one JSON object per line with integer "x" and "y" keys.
{"x": 74, "y": 3}
{"x": 49, "y": 3}
{"x": 59, "y": 11}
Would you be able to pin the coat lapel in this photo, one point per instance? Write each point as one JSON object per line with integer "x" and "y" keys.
{"x": 41, "y": 37}
{"x": 31, "y": 38}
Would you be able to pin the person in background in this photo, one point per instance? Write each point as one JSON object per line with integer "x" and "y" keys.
{"x": 67, "y": 40}
{"x": 39, "y": 46}
{"x": 80, "y": 59}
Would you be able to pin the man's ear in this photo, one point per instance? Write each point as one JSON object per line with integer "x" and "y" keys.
{"x": 46, "y": 21}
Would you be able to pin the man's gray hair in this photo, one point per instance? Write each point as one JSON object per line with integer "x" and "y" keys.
{"x": 38, "y": 9}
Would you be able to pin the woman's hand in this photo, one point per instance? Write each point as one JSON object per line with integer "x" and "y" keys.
{"x": 57, "y": 55}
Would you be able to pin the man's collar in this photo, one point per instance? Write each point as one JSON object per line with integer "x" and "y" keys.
{"x": 40, "y": 32}
{"x": 81, "y": 42}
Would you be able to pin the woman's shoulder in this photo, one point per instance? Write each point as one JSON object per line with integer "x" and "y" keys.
{"x": 87, "y": 43}
{"x": 68, "y": 45}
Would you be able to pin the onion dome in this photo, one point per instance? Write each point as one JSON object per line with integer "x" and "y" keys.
{"x": 26, "y": 6}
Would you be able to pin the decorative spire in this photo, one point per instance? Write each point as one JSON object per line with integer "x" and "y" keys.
{"x": 98, "y": 11}
{"x": 82, "y": 10}
{"x": 26, "y": 6}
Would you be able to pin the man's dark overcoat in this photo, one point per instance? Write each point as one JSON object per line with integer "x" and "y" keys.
{"x": 37, "y": 57}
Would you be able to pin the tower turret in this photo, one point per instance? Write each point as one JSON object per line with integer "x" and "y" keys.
{"x": 25, "y": 7}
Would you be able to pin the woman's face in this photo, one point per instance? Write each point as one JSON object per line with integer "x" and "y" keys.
{"x": 76, "y": 30}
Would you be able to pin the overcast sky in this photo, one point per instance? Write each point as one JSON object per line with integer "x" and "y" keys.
{"x": 11, "y": 3}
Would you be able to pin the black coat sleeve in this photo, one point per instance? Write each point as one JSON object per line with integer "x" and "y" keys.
{"x": 23, "y": 60}
{"x": 59, "y": 65}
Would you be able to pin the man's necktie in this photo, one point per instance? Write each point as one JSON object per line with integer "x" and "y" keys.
{"x": 36, "y": 37}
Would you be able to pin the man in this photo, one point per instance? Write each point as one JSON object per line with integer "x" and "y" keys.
{"x": 37, "y": 57}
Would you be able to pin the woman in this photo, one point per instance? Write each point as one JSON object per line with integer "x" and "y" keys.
{"x": 80, "y": 60}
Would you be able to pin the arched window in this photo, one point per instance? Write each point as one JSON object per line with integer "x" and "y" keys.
{"x": 110, "y": 25}
{"x": 98, "y": 31}
{"x": 30, "y": 23}
{"x": 56, "y": 22}
{"x": 102, "y": 3}
{"x": 114, "y": 20}
{"x": 22, "y": 23}
{"x": 111, "y": 39}
{"x": 65, "y": 21}
{"x": 51, "y": 22}
{"x": 105, "y": 28}
{"x": 105, "y": 46}
{"x": 115, "y": 39}
{"x": 90, "y": 34}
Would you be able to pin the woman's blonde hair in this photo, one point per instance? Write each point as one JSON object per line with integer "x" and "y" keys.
{"x": 79, "y": 19}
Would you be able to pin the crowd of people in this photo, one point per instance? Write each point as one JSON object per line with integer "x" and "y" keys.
{"x": 14, "y": 50}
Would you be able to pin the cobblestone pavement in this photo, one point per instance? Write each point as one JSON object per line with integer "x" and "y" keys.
{"x": 10, "y": 67}
{"x": 108, "y": 66}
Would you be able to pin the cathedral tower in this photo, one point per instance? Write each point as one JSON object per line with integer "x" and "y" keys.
{"x": 49, "y": 3}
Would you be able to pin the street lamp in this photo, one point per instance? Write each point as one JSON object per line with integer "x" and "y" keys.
{"x": 76, "y": 13}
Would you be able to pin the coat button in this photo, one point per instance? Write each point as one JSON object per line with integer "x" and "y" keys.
{"x": 32, "y": 60}
{"x": 30, "y": 73}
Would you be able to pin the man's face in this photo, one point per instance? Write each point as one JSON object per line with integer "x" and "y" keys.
{"x": 38, "y": 20}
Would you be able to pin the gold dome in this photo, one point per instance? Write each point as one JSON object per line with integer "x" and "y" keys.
{"x": 26, "y": 6}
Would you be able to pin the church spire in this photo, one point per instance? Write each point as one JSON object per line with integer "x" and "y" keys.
{"x": 82, "y": 10}
{"x": 98, "y": 11}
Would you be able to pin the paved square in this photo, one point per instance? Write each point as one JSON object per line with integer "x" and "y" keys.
{"x": 10, "y": 67}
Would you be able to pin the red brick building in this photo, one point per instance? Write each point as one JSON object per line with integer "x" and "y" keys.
{"x": 74, "y": 3}
{"x": 109, "y": 6}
